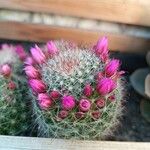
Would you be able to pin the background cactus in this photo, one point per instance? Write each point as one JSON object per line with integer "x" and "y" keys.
{"x": 13, "y": 109}
{"x": 78, "y": 92}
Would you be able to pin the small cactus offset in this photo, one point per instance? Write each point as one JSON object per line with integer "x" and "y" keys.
{"x": 13, "y": 117}
{"x": 76, "y": 92}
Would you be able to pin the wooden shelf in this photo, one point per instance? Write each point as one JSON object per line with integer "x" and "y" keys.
{"x": 42, "y": 33}
{"x": 123, "y": 11}
{"x": 30, "y": 143}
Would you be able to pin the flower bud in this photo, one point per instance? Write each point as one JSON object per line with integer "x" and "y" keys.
{"x": 52, "y": 49}
{"x": 100, "y": 103}
{"x": 96, "y": 115}
{"x": 79, "y": 115}
{"x": 105, "y": 86}
{"x": 112, "y": 98}
{"x": 21, "y": 53}
{"x": 5, "y": 46}
{"x": 37, "y": 55}
{"x": 101, "y": 48}
{"x": 6, "y": 70}
{"x": 54, "y": 94}
{"x": 112, "y": 67}
{"x": 37, "y": 85}
{"x": 29, "y": 61}
{"x": 45, "y": 101}
{"x": 45, "y": 104}
{"x": 11, "y": 85}
{"x": 68, "y": 102}
{"x": 87, "y": 90}
{"x": 84, "y": 105}
{"x": 63, "y": 114}
{"x": 31, "y": 72}
{"x": 43, "y": 97}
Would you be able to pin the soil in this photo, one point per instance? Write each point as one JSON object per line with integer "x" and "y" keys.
{"x": 133, "y": 126}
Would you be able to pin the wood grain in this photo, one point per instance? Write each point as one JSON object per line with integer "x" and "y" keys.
{"x": 43, "y": 33}
{"x": 30, "y": 143}
{"x": 135, "y": 12}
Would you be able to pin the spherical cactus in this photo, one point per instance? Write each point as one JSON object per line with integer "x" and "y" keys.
{"x": 76, "y": 92}
{"x": 13, "y": 110}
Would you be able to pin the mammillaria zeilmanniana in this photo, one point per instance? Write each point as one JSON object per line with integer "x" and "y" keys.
{"x": 13, "y": 111}
{"x": 76, "y": 92}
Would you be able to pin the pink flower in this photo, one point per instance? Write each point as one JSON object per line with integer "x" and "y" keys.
{"x": 100, "y": 103}
{"x": 5, "y": 46}
{"x": 45, "y": 104}
{"x": 101, "y": 48}
{"x": 96, "y": 115}
{"x": 52, "y": 49}
{"x": 11, "y": 85}
{"x": 6, "y": 70}
{"x": 105, "y": 86}
{"x": 68, "y": 102}
{"x": 43, "y": 97}
{"x": 63, "y": 114}
{"x": 79, "y": 115}
{"x": 37, "y": 55}
{"x": 54, "y": 94}
{"x": 20, "y": 51}
{"x": 29, "y": 61}
{"x": 84, "y": 105}
{"x": 45, "y": 101}
{"x": 31, "y": 72}
{"x": 112, "y": 67}
{"x": 87, "y": 90}
{"x": 37, "y": 85}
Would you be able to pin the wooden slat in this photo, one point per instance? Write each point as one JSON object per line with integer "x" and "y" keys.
{"x": 42, "y": 33}
{"x": 135, "y": 12}
{"x": 30, "y": 143}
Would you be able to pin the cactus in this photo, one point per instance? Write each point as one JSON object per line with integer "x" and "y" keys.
{"x": 13, "y": 110}
{"x": 76, "y": 92}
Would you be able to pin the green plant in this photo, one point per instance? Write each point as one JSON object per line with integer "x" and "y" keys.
{"x": 13, "y": 99}
{"x": 76, "y": 92}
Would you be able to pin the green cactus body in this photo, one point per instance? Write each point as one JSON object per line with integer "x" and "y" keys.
{"x": 13, "y": 109}
{"x": 68, "y": 72}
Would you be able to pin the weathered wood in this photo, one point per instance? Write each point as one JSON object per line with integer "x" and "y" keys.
{"x": 28, "y": 143}
{"x": 124, "y": 11}
{"x": 42, "y": 33}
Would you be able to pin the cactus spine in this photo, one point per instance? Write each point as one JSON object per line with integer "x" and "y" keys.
{"x": 79, "y": 91}
{"x": 13, "y": 109}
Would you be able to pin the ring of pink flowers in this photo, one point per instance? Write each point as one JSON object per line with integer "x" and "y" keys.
{"x": 51, "y": 58}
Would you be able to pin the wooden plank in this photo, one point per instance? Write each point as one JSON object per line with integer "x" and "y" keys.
{"x": 42, "y": 33}
{"x": 37, "y": 32}
{"x": 123, "y": 11}
{"x": 28, "y": 143}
